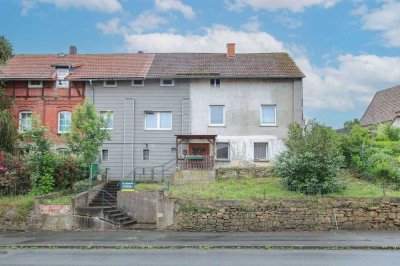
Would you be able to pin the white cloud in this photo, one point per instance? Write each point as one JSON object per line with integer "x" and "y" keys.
{"x": 292, "y": 5}
{"x": 111, "y": 27}
{"x": 252, "y": 25}
{"x": 214, "y": 39}
{"x": 168, "y": 5}
{"x": 289, "y": 22}
{"x": 386, "y": 20}
{"x": 107, "y": 6}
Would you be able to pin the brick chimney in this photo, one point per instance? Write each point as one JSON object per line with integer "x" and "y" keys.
{"x": 73, "y": 49}
{"x": 230, "y": 50}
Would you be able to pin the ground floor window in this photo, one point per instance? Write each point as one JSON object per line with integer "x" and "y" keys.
{"x": 260, "y": 151}
{"x": 25, "y": 121}
{"x": 104, "y": 155}
{"x": 146, "y": 154}
{"x": 223, "y": 151}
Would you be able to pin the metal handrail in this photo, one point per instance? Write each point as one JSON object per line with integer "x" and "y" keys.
{"x": 152, "y": 170}
{"x": 124, "y": 207}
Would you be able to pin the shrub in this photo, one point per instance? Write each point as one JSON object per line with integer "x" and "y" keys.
{"x": 14, "y": 175}
{"x": 68, "y": 171}
{"x": 81, "y": 186}
{"x": 312, "y": 159}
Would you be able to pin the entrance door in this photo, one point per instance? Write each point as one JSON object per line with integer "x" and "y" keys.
{"x": 199, "y": 149}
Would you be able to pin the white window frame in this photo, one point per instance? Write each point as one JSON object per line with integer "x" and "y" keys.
{"x": 216, "y": 152}
{"x": 213, "y": 83}
{"x": 102, "y": 155}
{"x": 158, "y": 113}
{"x": 148, "y": 158}
{"x": 266, "y": 152}
{"x": 138, "y": 85}
{"x": 105, "y": 85}
{"x": 20, "y": 119}
{"x": 167, "y": 85}
{"x": 34, "y": 86}
{"x": 261, "y": 116}
{"x": 223, "y": 116}
{"x": 61, "y": 78}
{"x": 112, "y": 118}
{"x": 58, "y": 126}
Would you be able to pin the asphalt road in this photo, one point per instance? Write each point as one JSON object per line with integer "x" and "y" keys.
{"x": 199, "y": 257}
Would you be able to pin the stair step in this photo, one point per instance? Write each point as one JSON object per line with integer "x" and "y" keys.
{"x": 127, "y": 223}
{"x": 122, "y": 219}
{"x": 116, "y": 216}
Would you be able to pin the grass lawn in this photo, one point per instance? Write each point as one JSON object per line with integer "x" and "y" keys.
{"x": 264, "y": 187}
{"x": 61, "y": 200}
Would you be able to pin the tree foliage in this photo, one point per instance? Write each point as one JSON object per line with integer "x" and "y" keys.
{"x": 312, "y": 159}
{"x": 88, "y": 132}
{"x": 6, "y": 50}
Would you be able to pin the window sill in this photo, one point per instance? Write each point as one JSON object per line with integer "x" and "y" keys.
{"x": 222, "y": 160}
{"x": 266, "y": 125}
{"x": 262, "y": 161}
{"x": 158, "y": 129}
{"x": 216, "y": 126}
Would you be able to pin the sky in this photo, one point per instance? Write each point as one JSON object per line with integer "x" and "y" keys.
{"x": 348, "y": 49}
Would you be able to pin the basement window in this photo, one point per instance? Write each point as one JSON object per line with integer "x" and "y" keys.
{"x": 260, "y": 151}
{"x": 110, "y": 83}
{"x": 35, "y": 84}
{"x": 138, "y": 82}
{"x": 215, "y": 83}
{"x": 222, "y": 151}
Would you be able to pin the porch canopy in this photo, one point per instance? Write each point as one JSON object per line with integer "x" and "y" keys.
{"x": 200, "y": 157}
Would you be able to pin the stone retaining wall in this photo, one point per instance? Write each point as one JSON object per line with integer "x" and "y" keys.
{"x": 297, "y": 215}
{"x": 243, "y": 172}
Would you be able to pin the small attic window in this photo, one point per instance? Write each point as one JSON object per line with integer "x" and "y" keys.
{"x": 167, "y": 82}
{"x": 110, "y": 83}
{"x": 35, "y": 84}
{"x": 62, "y": 73}
{"x": 138, "y": 82}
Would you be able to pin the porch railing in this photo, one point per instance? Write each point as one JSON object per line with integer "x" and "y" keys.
{"x": 151, "y": 173}
{"x": 195, "y": 162}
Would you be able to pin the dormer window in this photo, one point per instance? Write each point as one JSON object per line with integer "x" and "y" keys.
{"x": 35, "y": 84}
{"x": 110, "y": 83}
{"x": 62, "y": 73}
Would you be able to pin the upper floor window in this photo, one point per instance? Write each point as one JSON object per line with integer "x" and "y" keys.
{"x": 62, "y": 73}
{"x": 268, "y": 115}
{"x": 108, "y": 117}
{"x": 25, "y": 121}
{"x": 138, "y": 82}
{"x": 222, "y": 151}
{"x": 64, "y": 122}
{"x": 215, "y": 82}
{"x": 158, "y": 120}
{"x": 217, "y": 115}
{"x": 35, "y": 84}
{"x": 167, "y": 82}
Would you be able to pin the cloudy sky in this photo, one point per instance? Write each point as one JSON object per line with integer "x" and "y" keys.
{"x": 348, "y": 49}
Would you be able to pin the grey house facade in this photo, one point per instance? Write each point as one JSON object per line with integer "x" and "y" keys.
{"x": 229, "y": 108}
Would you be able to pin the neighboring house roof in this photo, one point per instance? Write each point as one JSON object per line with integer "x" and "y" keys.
{"x": 85, "y": 66}
{"x": 162, "y": 65}
{"x": 195, "y": 65}
{"x": 384, "y": 107}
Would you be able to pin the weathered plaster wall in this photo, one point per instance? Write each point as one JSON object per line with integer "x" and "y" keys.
{"x": 141, "y": 205}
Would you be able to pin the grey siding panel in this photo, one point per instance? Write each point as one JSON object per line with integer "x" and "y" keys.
{"x": 129, "y": 136}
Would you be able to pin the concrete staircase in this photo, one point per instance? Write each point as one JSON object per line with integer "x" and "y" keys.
{"x": 106, "y": 200}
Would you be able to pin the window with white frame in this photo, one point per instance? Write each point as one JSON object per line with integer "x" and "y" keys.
{"x": 138, "y": 82}
{"x": 260, "y": 151}
{"x": 222, "y": 151}
{"x": 146, "y": 154}
{"x": 217, "y": 115}
{"x": 62, "y": 73}
{"x": 108, "y": 117}
{"x": 167, "y": 82}
{"x": 25, "y": 121}
{"x": 104, "y": 154}
{"x": 215, "y": 82}
{"x": 110, "y": 83}
{"x": 64, "y": 122}
{"x": 158, "y": 120}
{"x": 35, "y": 84}
{"x": 268, "y": 115}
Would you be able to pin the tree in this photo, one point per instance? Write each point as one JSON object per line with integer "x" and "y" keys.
{"x": 88, "y": 132}
{"x": 8, "y": 132}
{"x": 312, "y": 159}
{"x": 348, "y": 125}
{"x": 6, "y": 50}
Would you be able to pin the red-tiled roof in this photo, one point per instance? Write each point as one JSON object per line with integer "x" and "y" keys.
{"x": 85, "y": 66}
{"x": 254, "y": 65}
{"x": 384, "y": 107}
{"x": 125, "y": 66}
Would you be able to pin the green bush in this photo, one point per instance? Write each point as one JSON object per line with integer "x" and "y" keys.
{"x": 312, "y": 159}
{"x": 81, "y": 186}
